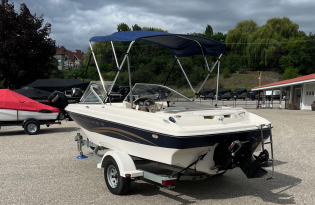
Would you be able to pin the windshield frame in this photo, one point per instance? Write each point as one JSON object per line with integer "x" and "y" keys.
{"x": 162, "y": 86}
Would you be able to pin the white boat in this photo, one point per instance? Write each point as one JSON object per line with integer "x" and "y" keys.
{"x": 16, "y": 109}
{"x": 163, "y": 126}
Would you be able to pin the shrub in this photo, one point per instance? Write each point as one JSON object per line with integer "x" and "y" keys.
{"x": 289, "y": 73}
{"x": 226, "y": 73}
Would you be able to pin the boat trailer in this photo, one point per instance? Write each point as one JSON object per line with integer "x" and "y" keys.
{"x": 119, "y": 166}
{"x": 31, "y": 126}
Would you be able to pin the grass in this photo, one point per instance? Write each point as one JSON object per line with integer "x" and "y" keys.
{"x": 186, "y": 92}
{"x": 248, "y": 81}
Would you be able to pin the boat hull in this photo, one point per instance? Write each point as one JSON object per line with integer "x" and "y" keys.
{"x": 178, "y": 151}
{"x": 171, "y": 156}
{"x": 8, "y": 115}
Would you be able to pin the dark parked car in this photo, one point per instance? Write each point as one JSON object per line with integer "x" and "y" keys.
{"x": 224, "y": 93}
{"x": 240, "y": 93}
{"x": 207, "y": 93}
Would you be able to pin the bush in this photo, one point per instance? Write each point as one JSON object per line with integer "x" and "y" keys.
{"x": 226, "y": 73}
{"x": 289, "y": 73}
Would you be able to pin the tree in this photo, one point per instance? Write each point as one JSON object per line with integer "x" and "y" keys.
{"x": 263, "y": 42}
{"x": 237, "y": 39}
{"x": 136, "y": 27}
{"x": 145, "y": 28}
{"x": 123, "y": 27}
{"x": 289, "y": 73}
{"x": 309, "y": 50}
{"x": 26, "y": 51}
{"x": 296, "y": 56}
{"x": 284, "y": 27}
{"x": 219, "y": 37}
{"x": 209, "y": 31}
{"x": 266, "y": 38}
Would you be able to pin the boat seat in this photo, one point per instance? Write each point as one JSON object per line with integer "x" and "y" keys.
{"x": 174, "y": 108}
{"x": 44, "y": 111}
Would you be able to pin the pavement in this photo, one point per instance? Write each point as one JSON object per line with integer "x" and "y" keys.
{"x": 43, "y": 169}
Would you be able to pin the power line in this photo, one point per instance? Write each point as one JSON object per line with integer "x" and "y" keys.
{"x": 72, "y": 43}
{"x": 64, "y": 42}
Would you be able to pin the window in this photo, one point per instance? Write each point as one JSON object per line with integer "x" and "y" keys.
{"x": 92, "y": 96}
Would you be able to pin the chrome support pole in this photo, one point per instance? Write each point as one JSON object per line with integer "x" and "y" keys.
{"x": 118, "y": 67}
{"x": 185, "y": 75}
{"x": 271, "y": 147}
{"x": 123, "y": 61}
{"x": 262, "y": 137}
{"x": 280, "y": 100}
{"x": 216, "y": 97}
{"x": 130, "y": 85}
{"x": 210, "y": 71}
{"x": 111, "y": 42}
{"x": 98, "y": 69}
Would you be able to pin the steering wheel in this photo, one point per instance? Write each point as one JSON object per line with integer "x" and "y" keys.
{"x": 150, "y": 105}
{"x": 147, "y": 105}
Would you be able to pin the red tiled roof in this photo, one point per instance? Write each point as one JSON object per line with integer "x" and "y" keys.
{"x": 63, "y": 51}
{"x": 301, "y": 78}
{"x": 78, "y": 54}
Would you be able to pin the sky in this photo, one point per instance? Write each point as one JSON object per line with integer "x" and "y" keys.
{"x": 74, "y": 22}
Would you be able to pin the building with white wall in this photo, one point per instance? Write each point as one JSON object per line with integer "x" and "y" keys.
{"x": 300, "y": 90}
{"x": 68, "y": 60}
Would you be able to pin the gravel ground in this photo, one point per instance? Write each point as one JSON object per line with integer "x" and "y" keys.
{"x": 43, "y": 169}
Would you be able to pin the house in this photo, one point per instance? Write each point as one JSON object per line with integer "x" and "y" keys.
{"x": 68, "y": 60}
{"x": 300, "y": 90}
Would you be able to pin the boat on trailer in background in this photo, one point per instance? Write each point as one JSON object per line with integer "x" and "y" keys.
{"x": 157, "y": 124}
{"x": 16, "y": 109}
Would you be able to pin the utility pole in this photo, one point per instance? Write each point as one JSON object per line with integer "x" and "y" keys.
{"x": 260, "y": 72}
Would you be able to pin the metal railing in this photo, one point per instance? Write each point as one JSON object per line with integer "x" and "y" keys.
{"x": 264, "y": 103}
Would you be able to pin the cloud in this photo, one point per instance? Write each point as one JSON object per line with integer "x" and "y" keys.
{"x": 74, "y": 22}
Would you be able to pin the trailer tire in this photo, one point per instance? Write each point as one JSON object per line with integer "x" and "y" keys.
{"x": 31, "y": 127}
{"x": 116, "y": 184}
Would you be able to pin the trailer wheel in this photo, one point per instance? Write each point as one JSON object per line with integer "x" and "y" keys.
{"x": 31, "y": 127}
{"x": 115, "y": 183}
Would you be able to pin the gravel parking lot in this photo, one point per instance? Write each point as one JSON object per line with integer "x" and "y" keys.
{"x": 43, "y": 169}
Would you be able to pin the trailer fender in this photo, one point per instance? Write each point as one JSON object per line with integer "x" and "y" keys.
{"x": 124, "y": 161}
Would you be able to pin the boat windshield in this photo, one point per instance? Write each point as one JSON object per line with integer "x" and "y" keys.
{"x": 158, "y": 93}
{"x": 167, "y": 98}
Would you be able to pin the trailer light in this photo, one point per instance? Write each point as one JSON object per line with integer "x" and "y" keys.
{"x": 232, "y": 145}
{"x": 169, "y": 182}
{"x": 128, "y": 175}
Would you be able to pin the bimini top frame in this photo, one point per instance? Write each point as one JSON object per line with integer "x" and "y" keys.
{"x": 179, "y": 44}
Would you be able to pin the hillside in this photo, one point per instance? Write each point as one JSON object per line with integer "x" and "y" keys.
{"x": 246, "y": 79}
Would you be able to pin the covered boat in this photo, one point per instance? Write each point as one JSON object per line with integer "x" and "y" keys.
{"x": 16, "y": 107}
